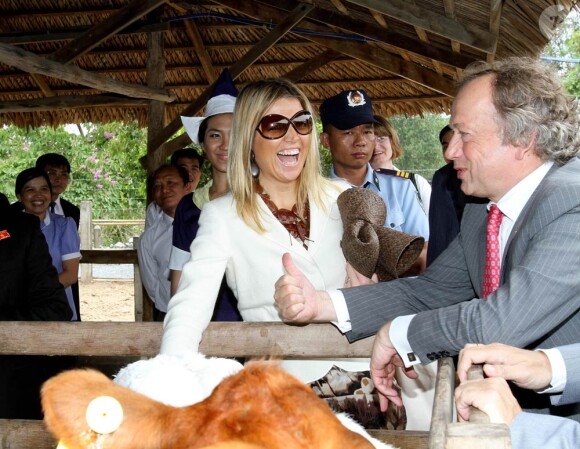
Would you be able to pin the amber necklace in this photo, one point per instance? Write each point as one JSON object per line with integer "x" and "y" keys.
{"x": 297, "y": 226}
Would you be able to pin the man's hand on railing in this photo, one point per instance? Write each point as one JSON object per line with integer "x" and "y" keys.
{"x": 492, "y": 396}
{"x": 526, "y": 369}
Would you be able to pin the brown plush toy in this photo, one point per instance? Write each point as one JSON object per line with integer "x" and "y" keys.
{"x": 366, "y": 244}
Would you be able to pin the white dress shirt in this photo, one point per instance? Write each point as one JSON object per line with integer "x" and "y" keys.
{"x": 153, "y": 252}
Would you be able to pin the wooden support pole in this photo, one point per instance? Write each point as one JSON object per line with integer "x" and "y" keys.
{"x": 86, "y": 235}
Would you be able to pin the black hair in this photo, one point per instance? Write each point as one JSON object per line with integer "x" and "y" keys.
{"x": 188, "y": 153}
{"x": 181, "y": 170}
{"x": 53, "y": 159}
{"x": 202, "y": 129}
{"x": 26, "y": 175}
{"x": 444, "y": 131}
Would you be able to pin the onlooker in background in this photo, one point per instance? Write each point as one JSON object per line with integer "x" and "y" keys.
{"x": 212, "y": 134}
{"x": 170, "y": 184}
{"x": 554, "y": 372}
{"x": 187, "y": 158}
{"x": 447, "y": 203}
{"x": 34, "y": 191}
{"x": 348, "y": 133}
{"x": 30, "y": 291}
{"x": 192, "y": 161}
{"x": 57, "y": 167}
{"x": 387, "y": 149}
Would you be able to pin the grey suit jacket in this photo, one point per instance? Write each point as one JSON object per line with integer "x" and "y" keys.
{"x": 534, "y": 431}
{"x": 571, "y": 393}
{"x": 538, "y": 299}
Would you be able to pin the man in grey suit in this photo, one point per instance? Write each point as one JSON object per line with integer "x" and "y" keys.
{"x": 516, "y": 143}
{"x": 553, "y": 371}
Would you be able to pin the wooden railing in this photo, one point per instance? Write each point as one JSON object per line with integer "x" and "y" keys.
{"x": 229, "y": 340}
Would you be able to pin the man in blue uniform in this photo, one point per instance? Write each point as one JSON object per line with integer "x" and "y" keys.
{"x": 347, "y": 124}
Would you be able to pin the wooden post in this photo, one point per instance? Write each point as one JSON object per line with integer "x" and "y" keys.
{"x": 478, "y": 433}
{"x": 86, "y": 235}
{"x": 138, "y": 286}
{"x": 443, "y": 404}
{"x": 97, "y": 237}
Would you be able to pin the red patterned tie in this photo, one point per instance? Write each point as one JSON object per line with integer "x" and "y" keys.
{"x": 492, "y": 254}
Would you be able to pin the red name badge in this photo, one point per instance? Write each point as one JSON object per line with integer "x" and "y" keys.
{"x": 4, "y": 234}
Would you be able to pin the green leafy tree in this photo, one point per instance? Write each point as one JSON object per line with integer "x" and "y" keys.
{"x": 104, "y": 164}
{"x": 566, "y": 45}
{"x": 420, "y": 140}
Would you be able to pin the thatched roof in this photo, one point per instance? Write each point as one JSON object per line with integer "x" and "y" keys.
{"x": 67, "y": 61}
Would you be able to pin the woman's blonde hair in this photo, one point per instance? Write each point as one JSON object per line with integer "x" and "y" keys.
{"x": 252, "y": 103}
{"x": 384, "y": 128}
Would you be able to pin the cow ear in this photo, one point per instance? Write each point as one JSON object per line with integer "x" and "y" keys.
{"x": 83, "y": 407}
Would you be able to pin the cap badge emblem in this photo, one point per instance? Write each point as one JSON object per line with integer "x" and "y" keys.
{"x": 355, "y": 98}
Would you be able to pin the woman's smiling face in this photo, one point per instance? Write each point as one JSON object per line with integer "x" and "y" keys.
{"x": 281, "y": 160}
{"x": 36, "y": 196}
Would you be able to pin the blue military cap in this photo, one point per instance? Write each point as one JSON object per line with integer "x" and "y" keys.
{"x": 346, "y": 110}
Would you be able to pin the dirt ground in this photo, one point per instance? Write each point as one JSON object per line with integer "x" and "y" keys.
{"x": 107, "y": 300}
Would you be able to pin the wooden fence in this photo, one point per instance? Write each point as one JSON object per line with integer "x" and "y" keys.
{"x": 229, "y": 340}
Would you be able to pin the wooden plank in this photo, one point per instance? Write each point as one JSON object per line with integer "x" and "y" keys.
{"x": 443, "y": 403}
{"x": 227, "y": 339}
{"x": 236, "y": 70}
{"x": 195, "y": 37}
{"x": 466, "y": 33}
{"x": 29, "y": 62}
{"x": 53, "y": 103}
{"x": 107, "y": 28}
{"x": 402, "y": 439}
{"x": 478, "y": 436}
{"x": 27, "y": 434}
{"x": 109, "y": 256}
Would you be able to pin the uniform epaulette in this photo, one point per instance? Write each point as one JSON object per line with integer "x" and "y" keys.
{"x": 398, "y": 173}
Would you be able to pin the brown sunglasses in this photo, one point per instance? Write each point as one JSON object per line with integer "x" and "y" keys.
{"x": 275, "y": 126}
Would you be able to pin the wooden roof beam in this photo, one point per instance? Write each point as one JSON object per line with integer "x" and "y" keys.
{"x": 71, "y": 102}
{"x": 466, "y": 33}
{"x": 30, "y": 63}
{"x": 107, "y": 28}
{"x": 449, "y": 6}
{"x": 368, "y": 30}
{"x": 340, "y": 7}
{"x": 495, "y": 11}
{"x": 386, "y": 61}
{"x": 247, "y": 60}
{"x": 202, "y": 54}
{"x": 309, "y": 67}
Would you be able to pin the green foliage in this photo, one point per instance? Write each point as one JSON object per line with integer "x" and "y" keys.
{"x": 104, "y": 164}
{"x": 420, "y": 140}
{"x": 566, "y": 44}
